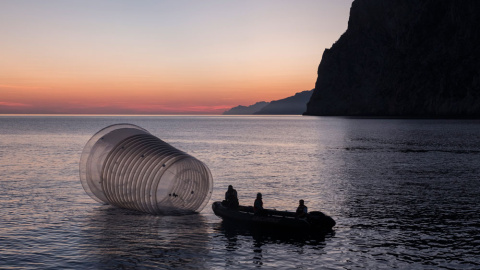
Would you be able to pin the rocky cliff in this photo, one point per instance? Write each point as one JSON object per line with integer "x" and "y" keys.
{"x": 403, "y": 58}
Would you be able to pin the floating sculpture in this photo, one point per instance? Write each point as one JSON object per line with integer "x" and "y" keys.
{"x": 124, "y": 165}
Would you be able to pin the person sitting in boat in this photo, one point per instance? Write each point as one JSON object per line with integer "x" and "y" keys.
{"x": 231, "y": 197}
{"x": 302, "y": 210}
{"x": 258, "y": 205}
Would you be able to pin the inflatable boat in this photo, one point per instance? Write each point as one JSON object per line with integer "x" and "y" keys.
{"x": 315, "y": 221}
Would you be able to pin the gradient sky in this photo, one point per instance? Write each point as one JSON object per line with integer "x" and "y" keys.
{"x": 160, "y": 57}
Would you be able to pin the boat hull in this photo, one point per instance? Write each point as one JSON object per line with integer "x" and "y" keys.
{"x": 274, "y": 219}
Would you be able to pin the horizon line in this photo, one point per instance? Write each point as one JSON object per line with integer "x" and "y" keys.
{"x": 73, "y": 114}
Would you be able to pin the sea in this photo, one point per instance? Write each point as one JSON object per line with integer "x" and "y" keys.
{"x": 405, "y": 194}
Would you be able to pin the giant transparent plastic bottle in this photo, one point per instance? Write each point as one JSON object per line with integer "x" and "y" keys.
{"x": 126, "y": 166}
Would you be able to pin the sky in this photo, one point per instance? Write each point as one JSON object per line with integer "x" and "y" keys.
{"x": 160, "y": 57}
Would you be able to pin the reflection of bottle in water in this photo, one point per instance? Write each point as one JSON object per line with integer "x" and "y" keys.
{"x": 124, "y": 165}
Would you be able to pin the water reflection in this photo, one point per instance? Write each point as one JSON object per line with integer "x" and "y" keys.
{"x": 117, "y": 238}
{"x": 408, "y": 194}
{"x": 258, "y": 247}
{"x": 232, "y": 230}
{"x": 257, "y": 252}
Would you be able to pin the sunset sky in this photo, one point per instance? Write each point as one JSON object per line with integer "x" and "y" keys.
{"x": 160, "y": 57}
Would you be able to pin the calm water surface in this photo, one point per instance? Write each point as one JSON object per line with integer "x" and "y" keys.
{"x": 404, "y": 193}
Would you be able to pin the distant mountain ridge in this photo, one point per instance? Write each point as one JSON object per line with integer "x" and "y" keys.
{"x": 246, "y": 109}
{"x": 293, "y": 105}
{"x": 296, "y": 104}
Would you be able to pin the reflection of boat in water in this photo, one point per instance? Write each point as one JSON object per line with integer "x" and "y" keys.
{"x": 316, "y": 222}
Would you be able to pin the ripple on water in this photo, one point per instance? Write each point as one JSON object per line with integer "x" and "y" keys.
{"x": 404, "y": 195}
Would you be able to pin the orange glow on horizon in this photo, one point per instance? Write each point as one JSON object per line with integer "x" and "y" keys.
{"x": 126, "y": 95}
{"x": 174, "y": 57}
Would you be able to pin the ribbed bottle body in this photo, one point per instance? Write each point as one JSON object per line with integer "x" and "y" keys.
{"x": 124, "y": 165}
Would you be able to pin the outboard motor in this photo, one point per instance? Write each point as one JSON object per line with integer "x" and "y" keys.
{"x": 319, "y": 219}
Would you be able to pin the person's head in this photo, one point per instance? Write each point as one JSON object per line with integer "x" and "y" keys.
{"x": 230, "y": 187}
{"x": 301, "y": 202}
{"x": 259, "y": 195}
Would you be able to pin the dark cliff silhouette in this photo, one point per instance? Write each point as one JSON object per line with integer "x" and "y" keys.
{"x": 403, "y": 58}
{"x": 291, "y": 105}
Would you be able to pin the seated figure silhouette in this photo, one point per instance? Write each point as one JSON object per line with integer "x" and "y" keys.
{"x": 302, "y": 210}
{"x": 231, "y": 198}
{"x": 258, "y": 205}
